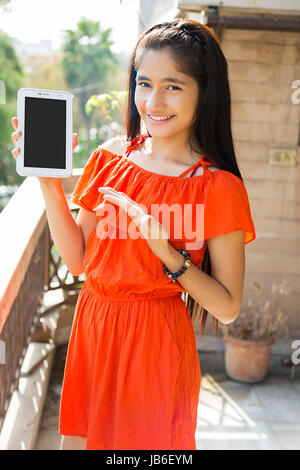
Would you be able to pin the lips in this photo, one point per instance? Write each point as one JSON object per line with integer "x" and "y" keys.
{"x": 158, "y": 121}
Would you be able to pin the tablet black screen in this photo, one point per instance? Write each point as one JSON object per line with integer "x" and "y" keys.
{"x": 45, "y": 133}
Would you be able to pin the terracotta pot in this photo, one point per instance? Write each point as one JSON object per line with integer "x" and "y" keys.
{"x": 247, "y": 361}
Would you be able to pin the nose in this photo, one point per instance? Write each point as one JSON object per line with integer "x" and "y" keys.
{"x": 154, "y": 102}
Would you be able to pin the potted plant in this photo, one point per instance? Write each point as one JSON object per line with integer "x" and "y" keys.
{"x": 248, "y": 340}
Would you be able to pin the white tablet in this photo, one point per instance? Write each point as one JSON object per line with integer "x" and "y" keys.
{"x": 45, "y": 118}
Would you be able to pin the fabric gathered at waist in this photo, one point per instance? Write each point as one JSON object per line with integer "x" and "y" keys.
{"x": 88, "y": 286}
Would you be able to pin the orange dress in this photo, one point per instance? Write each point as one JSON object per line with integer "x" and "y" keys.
{"x": 132, "y": 374}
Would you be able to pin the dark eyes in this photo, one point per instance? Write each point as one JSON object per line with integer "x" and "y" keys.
{"x": 173, "y": 86}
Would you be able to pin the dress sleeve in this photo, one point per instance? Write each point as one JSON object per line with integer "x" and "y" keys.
{"x": 226, "y": 207}
{"x": 86, "y": 192}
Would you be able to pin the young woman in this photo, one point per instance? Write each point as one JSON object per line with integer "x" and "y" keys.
{"x": 132, "y": 375}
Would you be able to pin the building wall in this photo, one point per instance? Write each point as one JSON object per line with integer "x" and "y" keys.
{"x": 155, "y": 11}
{"x": 262, "y": 67}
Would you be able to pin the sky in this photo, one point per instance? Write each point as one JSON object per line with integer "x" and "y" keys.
{"x": 33, "y": 20}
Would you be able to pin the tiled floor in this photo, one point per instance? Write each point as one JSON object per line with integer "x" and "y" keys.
{"x": 48, "y": 437}
{"x": 231, "y": 415}
{"x": 237, "y": 416}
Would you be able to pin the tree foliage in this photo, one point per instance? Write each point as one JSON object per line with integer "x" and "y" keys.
{"x": 12, "y": 76}
{"x": 110, "y": 104}
{"x": 87, "y": 59}
{"x": 4, "y": 3}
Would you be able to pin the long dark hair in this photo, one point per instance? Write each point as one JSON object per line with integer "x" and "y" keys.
{"x": 197, "y": 52}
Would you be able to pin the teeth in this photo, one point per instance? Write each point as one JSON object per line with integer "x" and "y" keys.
{"x": 160, "y": 118}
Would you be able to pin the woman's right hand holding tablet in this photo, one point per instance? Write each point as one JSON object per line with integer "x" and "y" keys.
{"x": 15, "y": 152}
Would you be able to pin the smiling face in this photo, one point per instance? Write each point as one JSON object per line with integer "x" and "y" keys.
{"x": 163, "y": 91}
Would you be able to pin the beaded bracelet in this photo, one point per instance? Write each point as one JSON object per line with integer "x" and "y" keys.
{"x": 187, "y": 263}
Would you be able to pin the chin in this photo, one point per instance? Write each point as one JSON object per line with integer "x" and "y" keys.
{"x": 163, "y": 133}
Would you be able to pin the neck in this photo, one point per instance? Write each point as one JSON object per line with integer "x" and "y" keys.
{"x": 173, "y": 149}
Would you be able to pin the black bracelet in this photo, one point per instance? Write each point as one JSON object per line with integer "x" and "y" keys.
{"x": 187, "y": 263}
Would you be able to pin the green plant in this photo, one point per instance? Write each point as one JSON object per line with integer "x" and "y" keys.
{"x": 111, "y": 105}
{"x": 262, "y": 320}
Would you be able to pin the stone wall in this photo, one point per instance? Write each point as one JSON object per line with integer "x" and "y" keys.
{"x": 262, "y": 67}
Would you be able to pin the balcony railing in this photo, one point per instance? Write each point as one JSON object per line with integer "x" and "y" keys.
{"x": 29, "y": 266}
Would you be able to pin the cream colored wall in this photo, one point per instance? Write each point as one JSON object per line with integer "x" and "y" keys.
{"x": 262, "y": 66}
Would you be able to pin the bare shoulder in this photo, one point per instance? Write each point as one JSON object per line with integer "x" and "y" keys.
{"x": 115, "y": 144}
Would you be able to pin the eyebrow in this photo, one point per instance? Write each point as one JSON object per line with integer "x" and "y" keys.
{"x": 167, "y": 79}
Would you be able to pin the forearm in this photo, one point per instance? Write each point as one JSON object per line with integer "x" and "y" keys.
{"x": 204, "y": 289}
{"x": 65, "y": 231}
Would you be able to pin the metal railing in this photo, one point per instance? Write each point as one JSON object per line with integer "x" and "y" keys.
{"x": 29, "y": 266}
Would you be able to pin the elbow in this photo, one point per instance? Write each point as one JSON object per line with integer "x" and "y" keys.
{"x": 76, "y": 271}
{"x": 76, "y": 268}
{"x": 229, "y": 320}
{"x": 232, "y": 316}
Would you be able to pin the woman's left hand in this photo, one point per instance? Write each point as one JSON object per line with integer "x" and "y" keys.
{"x": 156, "y": 234}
